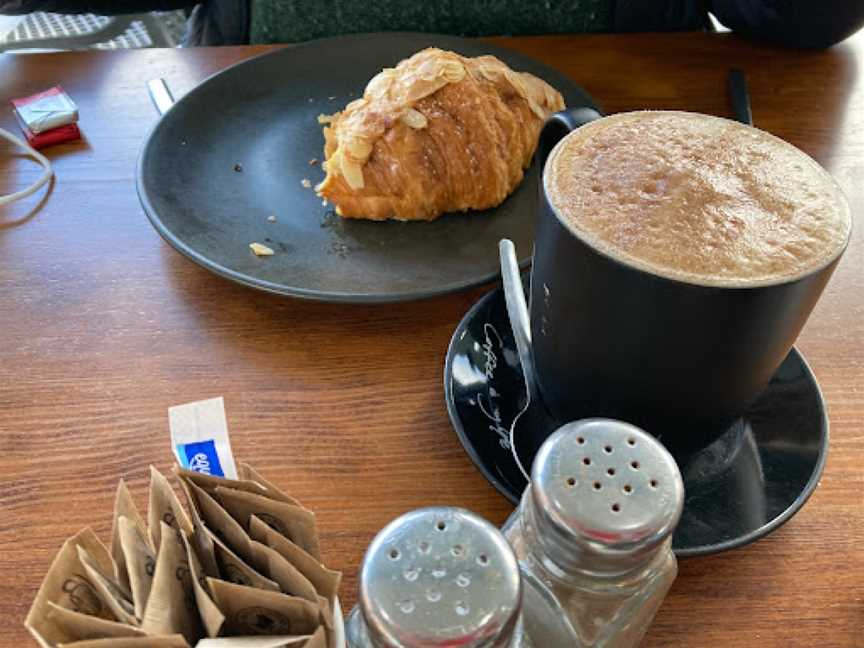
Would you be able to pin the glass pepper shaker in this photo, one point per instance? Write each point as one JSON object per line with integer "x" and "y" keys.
{"x": 438, "y": 577}
{"x": 593, "y": 535}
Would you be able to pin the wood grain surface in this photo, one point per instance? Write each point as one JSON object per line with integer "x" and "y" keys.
{"x": 103, "y": 327}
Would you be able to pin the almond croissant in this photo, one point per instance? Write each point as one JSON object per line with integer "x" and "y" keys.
{"x": 438, "y": 133}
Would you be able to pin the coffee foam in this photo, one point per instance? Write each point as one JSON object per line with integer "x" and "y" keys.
{"x": 697, "y": 198}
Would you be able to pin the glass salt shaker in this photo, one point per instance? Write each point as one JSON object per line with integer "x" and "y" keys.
{"x": 593, "y": 535}
{"x": 438, "y": 577}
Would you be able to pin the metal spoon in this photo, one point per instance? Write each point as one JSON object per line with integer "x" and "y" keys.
{"x": 533, "y": 424}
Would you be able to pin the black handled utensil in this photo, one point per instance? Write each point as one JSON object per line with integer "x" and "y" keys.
{"x": 739, "y": 97}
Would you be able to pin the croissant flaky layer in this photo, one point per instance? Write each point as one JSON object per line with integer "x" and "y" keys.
{"x": 438, "y": 133}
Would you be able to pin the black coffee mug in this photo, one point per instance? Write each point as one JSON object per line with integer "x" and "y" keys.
{"x": 607, "y": 339}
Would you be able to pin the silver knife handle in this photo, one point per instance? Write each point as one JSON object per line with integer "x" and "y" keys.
{"x": 160, "y": 94}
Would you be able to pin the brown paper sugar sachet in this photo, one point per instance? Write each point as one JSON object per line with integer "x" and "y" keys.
{"x": 288, "y": 578}
{"x": 235, "y": 558}
{"x": 140, "y": 562}
{"x": 124, "y": 506}
{"x": 171, "y": 606}
{"x": 119, "y": 602}
{"x": 66, "y": 585}
{"x": 142, "y": 543}
{"x": 200, "y": 539}
{"x": 291, "y": 581}
{"x": 229, "y": 540}
{"x": 234, "y": 569}
{"x": 326, "y": 581}
{"x": 284, "y": 571}
{"x": 162, "y": 641}
{"x": 211, "y": 617}
{"x": 250, "y": 611}
{"x": 217, "y": 520}
{"x": 78, "y": 627}
{"x": 248, "y": 473}
{"x": 294, "y": 522}
{"x": 164, "y": 507}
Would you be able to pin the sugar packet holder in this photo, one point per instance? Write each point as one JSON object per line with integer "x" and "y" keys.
{"x": 132, "y": 594}
{"x": 199, "y": 438}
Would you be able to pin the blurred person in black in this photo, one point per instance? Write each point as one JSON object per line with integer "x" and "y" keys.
{"x": 795, "y": 23}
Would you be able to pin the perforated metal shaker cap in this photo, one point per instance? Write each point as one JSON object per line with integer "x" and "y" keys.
{"x": 606, "y": 495}
{"x": 440, "y": 577}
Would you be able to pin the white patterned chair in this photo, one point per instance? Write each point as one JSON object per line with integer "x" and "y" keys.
{"x": 51, "y": 31}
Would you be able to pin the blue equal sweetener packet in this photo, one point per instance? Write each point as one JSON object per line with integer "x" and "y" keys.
{"x": 199, "y": 435}
{"x": 200, "y": 457}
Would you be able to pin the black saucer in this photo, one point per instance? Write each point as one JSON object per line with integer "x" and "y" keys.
{"x": 739, "y": 489}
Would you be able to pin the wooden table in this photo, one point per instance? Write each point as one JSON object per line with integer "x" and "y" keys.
{"x": 103, "y": 327}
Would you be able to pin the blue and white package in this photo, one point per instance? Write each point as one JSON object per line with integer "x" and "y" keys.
{"x": 199, "y": 436}
{"x": 201, "y": 457}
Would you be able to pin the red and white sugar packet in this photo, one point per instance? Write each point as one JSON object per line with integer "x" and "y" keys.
{"x": 59, "y": 135}
{"x": 46, "y": 110}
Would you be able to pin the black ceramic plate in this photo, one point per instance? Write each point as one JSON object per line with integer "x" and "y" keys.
{"x": 742, "y": 487}
{"x": 261, "y": 114}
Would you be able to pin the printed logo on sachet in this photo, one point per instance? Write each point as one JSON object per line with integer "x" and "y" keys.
{"x": 201, "y": 457}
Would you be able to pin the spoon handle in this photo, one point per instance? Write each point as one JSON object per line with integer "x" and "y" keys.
{"x": 517, "y": 310}
{"x": 740, "y": 97}
{"x": 160, "y": 94}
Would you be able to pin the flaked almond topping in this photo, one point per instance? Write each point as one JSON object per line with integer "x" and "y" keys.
{"x": 261, "y": 250}
{"x": 358, "y": 148}
{"x": 353, "y": 173}
{"x": 415, "y": 119}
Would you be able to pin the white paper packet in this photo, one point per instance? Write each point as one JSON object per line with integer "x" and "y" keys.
{"x": 199, "y": 437}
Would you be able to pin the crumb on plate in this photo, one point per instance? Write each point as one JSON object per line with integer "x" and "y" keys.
{"x": 261, "y": 250}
